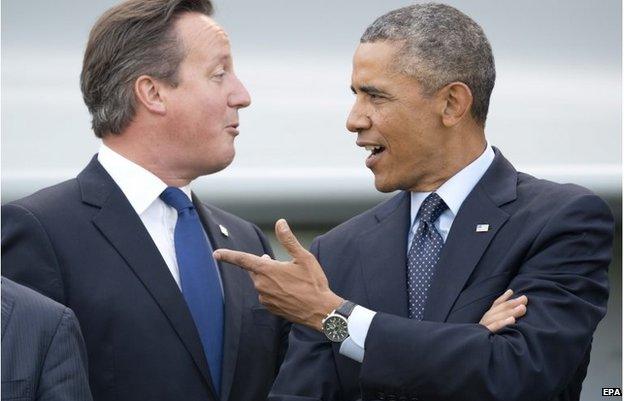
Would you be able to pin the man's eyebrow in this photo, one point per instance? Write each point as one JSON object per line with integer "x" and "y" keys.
{"x": 220, "y": 60}
{"x": 370, "y": 90}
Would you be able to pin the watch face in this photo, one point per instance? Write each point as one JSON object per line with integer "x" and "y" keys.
{"x": 335, "y": 328}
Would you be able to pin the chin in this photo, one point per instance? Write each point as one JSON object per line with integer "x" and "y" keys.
{"x": 217, "y": 165}
{"x": 384, "y": 186}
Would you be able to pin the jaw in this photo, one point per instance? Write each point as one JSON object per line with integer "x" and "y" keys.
{"x": 386, "y": 182}
{"x": 383, "y": 183}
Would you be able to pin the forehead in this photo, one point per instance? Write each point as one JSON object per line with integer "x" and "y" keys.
{"x": 375, "y": 61}
{"x": 200, "y": 33}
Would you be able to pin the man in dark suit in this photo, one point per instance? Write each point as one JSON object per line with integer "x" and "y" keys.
{"x": 43, "y": 353}
{"x": 126, "y": 244}
{"x": 410, "y": 278}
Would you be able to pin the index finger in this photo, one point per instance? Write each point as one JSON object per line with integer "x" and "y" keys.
{"x": 245, "y": 260}
{"x": 506, "y": 295}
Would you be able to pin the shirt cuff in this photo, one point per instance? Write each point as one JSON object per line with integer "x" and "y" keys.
{"x": 358, "y": 323}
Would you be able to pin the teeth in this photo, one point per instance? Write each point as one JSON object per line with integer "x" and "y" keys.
{"x": 371, "y": 148}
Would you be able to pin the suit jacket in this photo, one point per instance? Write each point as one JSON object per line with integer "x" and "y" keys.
{"x": 81, "y": 243}
{"x": 548, "y": 241}
{"x": 43, "y": 353}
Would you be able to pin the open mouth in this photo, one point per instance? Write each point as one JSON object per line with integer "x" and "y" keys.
{"x": 375, "y": 150}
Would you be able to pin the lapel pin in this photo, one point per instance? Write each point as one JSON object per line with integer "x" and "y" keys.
{"x": 482, "y": 228}
{"x": 224, "y": 230}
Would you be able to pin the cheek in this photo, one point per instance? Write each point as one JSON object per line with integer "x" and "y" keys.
{"x": 395, "y": 123}
{"x": 214, "y": 108}
{"x": 201, "y": 102}
{"x": 208, "y": 118}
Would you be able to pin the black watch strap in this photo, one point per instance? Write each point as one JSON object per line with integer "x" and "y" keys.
{"x": 346, "y": 308}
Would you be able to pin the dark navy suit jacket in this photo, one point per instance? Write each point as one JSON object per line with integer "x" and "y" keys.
{"x": 43, "y": 353}
{"x": 82, "y": 244}
{"x": 548, "y": 241}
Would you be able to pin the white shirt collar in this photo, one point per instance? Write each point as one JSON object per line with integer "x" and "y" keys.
{"x": 140, "y": 186}
{"x": 455, "y": 190}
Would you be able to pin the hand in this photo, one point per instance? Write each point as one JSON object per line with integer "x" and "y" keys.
{"x": 504, "y": 311}
{"x": 297, "y": 290}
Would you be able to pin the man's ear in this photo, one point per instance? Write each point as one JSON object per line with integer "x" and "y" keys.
{"x": 457, "y": 98}
{"x": 148, "y": 92}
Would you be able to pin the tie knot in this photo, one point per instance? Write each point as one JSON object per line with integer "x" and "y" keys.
{"x": 175, "y": 198}
{"x": 431, "y": 208}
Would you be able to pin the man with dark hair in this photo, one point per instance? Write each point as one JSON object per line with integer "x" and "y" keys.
{"x": 392, "y": 314}
{"x": 43, "y": 353}
{"x": 126, "y": 244}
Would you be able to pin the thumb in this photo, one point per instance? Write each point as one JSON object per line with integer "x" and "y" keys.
{"x": 288, "y": 239}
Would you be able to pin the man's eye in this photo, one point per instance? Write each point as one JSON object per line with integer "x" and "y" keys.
{"x": 220, "y": 74}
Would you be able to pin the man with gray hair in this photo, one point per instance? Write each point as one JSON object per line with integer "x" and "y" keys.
{"x": 126, "y": 244}
{"x": 392, "y": 313}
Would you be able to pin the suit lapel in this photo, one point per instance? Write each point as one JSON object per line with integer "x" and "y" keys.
{"x": 465, "y": 246}
{"x": 383, "y": 252}
{"x": 123, "y": 228}
{"x": 232, "y": 278}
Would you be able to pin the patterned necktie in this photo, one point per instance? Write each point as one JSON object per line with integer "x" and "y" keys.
{"x": 199, "y": 279}
{"x": 423, "y": 255}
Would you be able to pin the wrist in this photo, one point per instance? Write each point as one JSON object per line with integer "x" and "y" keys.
{"x": 327, "y": 305}
{"x": 336, "y": 323}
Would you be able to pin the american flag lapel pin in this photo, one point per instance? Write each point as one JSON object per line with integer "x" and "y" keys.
{"x": 224, "y": 230}
{"x": 482, "y": 228}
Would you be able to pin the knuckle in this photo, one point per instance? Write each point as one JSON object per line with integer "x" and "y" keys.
{"x": 308, "y": 257}
{"x": 258, "y": 284}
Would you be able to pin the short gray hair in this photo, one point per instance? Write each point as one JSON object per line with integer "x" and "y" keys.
{"x": 131, "y": 39}
{"x": 440, "y": 45}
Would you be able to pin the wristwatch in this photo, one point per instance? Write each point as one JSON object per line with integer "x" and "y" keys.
{"x": 335, "y": 325}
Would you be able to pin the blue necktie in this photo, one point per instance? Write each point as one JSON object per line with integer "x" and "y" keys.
{"x": 423, "y": 255}
{"x": 199, "y": 279}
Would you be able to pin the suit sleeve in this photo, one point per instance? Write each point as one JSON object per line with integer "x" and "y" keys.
{"x": 564, "y": 276}
{"x": 27, "y": 253}
{"x": 64, "y": 371}
{"x": 285, "y": 325}
{"x": 309, "y": 371}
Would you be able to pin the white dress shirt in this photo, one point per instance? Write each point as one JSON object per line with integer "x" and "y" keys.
{"x": 142, "y": 189}
{"x": 453, "y": 192}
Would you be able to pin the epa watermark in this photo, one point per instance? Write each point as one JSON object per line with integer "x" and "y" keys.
{"x": 611, "y": 391}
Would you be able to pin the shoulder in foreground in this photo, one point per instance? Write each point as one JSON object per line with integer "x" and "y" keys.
{"x": 50, "y": 197}
{"x": 30, "y": 301}
{"x": 554, "y": 195}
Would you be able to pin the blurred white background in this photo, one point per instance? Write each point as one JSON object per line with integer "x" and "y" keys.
{"x": 555, "y": 110}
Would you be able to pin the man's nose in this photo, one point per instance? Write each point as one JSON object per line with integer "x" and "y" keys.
{"x": 358, "y": 119}
{"x": 239, "y": 98}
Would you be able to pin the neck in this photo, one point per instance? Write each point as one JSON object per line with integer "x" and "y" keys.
{"x": 147, "y": 157}
{"x": 455, "y": 157}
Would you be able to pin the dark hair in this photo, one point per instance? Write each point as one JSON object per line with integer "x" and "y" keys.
{"x": 440, "y": 45}
{"x": 131, "y": 39}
